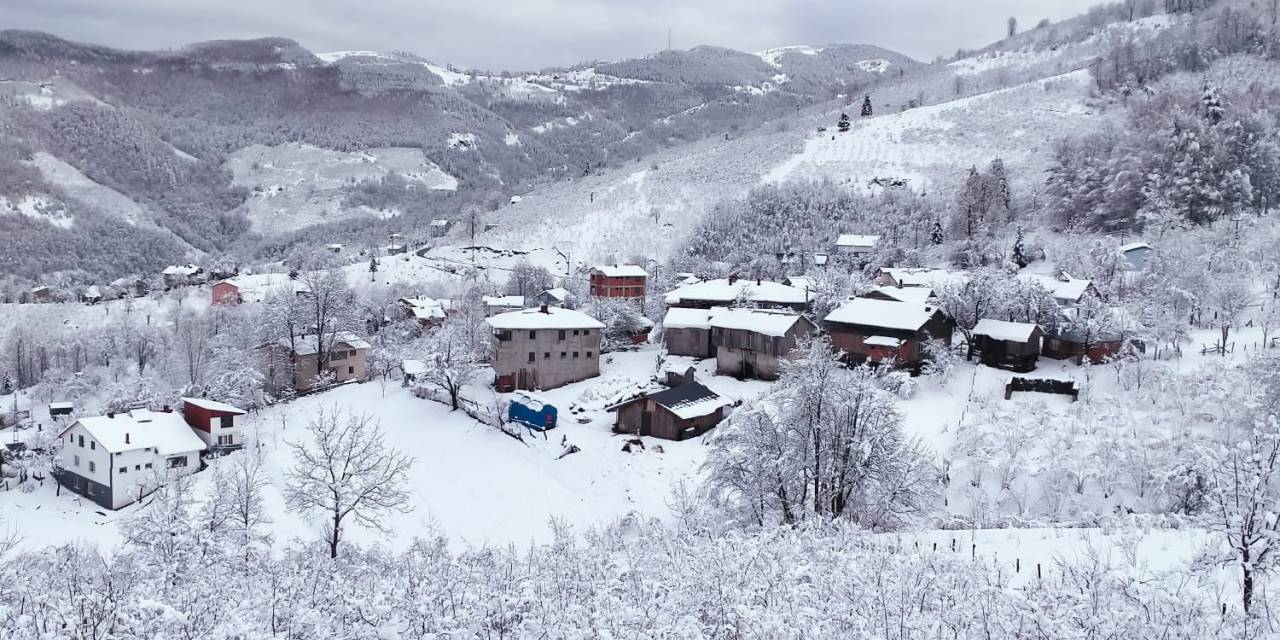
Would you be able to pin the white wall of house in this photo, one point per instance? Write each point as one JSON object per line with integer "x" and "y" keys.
{"x": 124, "y": 472}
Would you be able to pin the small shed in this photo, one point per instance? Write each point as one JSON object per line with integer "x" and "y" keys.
{"x": 679, "y": 413}
{"x": 1012, "y": 345}
{"x": 61, "y": 409}
{"x": 412, "y": 370}
{"x": 532, "y": 411}
{"x": 226, "y": 292}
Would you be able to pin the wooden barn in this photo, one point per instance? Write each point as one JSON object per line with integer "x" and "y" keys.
{"x": 1010, "y": 345}
{"x": 226, "y": 292}
{"x": 1063, "y": 344}
{"x": 752, "y": 343}
{"x": 887, "y": 331}
{"x": 687, "y": 332}
{"x": 679, "y": 413}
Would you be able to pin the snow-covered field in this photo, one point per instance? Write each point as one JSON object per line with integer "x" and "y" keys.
{"x": 928, "y": 144}
{"x": 295, "y": 185}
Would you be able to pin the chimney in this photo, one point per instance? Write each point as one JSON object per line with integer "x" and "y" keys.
{"x": 545, "y": 310}
{"x": 733, "y": 278}
{"x": 126, "y": 437}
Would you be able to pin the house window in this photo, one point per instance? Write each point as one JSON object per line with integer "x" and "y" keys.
{"x": 177, "y": 461}
{"x": 502, "y": 336}
{"x": 564, "y": 354}
{"x": 338, "y": 355}
{"x": 588, "y": 354}
{"x": 138, "y": 467}
{"x": 224, "y": 439}
{"x": 93, "y": 445}
{"x": 546, "y": 355}
{"x": 92, "y": 467}
{"x": 76, "y": 460}
{"x": 124, "y": 469}
{"x": 532, "y": 357}
{"x": 82, "y": 441}
{"x": 575, "y": 332}
{"x": 351, "y": 370}
{"x": 561, "y": 335}
{"x": 227, "y": 422}
{"x": 533, "y": 335}
{"x": 575, "y": 355}
{"x": 147, "y": 465}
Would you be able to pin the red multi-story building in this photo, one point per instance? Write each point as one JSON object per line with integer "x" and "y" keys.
{"x": 618, "y": 281}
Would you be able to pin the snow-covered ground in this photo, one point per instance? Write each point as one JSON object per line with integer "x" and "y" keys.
{"x": 295, "y": 185}
{"x": 925, "y": 144}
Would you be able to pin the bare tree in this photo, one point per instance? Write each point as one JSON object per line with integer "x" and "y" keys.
{"x": 347, "y": 473}
{"x": 1245, "y": 496}
{"x": 329, "y": 309}
{"x": 453, "y": 359}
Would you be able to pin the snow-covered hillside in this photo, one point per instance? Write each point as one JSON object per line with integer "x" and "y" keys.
{"x": 295, "y": 185}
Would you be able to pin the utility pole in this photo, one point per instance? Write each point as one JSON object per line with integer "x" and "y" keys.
{"x": 668, "y": 38}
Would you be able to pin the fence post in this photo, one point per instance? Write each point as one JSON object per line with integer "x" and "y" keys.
{"x": 1037, "y": 571}
{"x": 1017, "y": 565}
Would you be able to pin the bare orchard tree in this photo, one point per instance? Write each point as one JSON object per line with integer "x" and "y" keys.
{"x": 453, "y": 359}
{"x": 346, "y": 472}
{"x": 1244, "y": 500}
{"x": 330, "y": 308}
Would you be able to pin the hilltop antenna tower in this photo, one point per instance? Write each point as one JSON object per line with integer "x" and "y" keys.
{"x": 668, "y": 38}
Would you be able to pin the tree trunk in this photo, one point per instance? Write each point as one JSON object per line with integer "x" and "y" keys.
{"x": 335, "y": 535}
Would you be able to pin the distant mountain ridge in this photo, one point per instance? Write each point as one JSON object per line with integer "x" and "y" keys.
{"x": 159, "y": 128}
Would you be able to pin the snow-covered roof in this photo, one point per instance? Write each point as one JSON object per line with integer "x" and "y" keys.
{"x": 1068, "y": 290}
{"x": 1132, "y": 246}
{"x": 181, "y": 270}
{"x": 800, "y": 282}
{"x": 680, "y": 318}
{"x": 769, "y": 322}
{"x": 558, "y": 293}
{"x": 621, "y": 270}
{"x": 306, "y": 345}
{"x": 918, "y": 295}
{"x": 424, "y": 308}
{"x": 213, "y": 405}
{"x": 92, "y": 292}
{"x": 551, "y": 318}
{"x": 882, "y": 341}
{"x": 62, "y": 405}
{"x": 857, "y": 241}
{"x": 413, "y": 367}
{"x": 904, "y": 316}
{"x": 166, "y": 432}
{"x": 723, "y": 291}
{"x": 513, "y": 302}
{"x": 1003, "y": 330}
{"x": 689, "y": 401}
{"x": 439, "y": 223}
{"x": 918, "y": 276}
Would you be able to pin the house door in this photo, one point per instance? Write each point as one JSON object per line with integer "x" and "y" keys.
{"x": 646, "y": 423}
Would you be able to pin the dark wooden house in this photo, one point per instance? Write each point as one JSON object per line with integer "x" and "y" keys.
{"x": 1011, "y": 345}
{"x": 679, "y": 413}
{"x": 752, "y": 343}
{"x": 886, "y": 331}
{"x": 687, "y": 332}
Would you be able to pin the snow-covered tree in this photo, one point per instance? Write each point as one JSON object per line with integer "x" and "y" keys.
{"x": 453, "y": 358}
{"x": 345, "y": 472}
{"x": 866, "y": 106}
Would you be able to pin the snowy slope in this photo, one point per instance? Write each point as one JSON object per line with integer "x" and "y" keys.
{"x": 295, "y": 185}
{"x": 932, "y": 144}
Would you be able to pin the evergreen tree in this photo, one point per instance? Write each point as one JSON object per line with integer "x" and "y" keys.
{"x": 937, "y": 236}
{"x": 1019, "y": 257}
{"x": 373, "y": 268}
{"x": 843, "y": 124}
{"x": 866, "y": 106}
{"x": 1213, "y": 110}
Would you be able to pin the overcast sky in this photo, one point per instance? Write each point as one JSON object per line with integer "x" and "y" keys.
{"x": 531, "y": 34}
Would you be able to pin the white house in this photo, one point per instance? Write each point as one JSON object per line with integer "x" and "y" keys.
{"x": 853, "y": 244}
{"x": 493, "y": 305}
{"x": 116, "y": 459}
